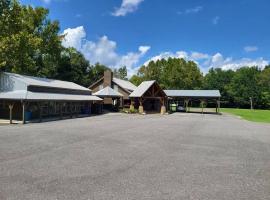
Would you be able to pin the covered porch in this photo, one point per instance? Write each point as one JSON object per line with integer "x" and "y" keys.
{"x": 29, "y": 106}
{"x": 148, "y": 98}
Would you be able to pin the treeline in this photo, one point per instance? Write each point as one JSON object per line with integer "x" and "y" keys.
{"x": 30, "y": 44}
{"x": 237, "y": 87}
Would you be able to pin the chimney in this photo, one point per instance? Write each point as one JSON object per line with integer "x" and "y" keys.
{"x": 108, "y": 75}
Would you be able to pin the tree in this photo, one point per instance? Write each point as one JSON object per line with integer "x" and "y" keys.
{"x": 73, "y": 67}
{"x": 123, "y": 72}
{"x": 29, "y": 41}
{"x": 218, "y": 79}
{"x": 96, "y": 72}
{"x": 173, "y": 73}
{"x": 244, "y": 86}
{"x": 264, "y": 84}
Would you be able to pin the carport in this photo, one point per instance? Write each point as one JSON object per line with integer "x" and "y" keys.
{"x": 186, "y": 97}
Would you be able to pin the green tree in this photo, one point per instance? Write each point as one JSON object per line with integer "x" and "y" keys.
{"x": 73, "y": 67}
{"x": 218, "y": 79}
{"x": 172, "y": 73}
{"x": 123, "y": 73}
{"x": 29, "y": 41}
{"x": 244, "y": 86}
{"x": 96, "y": 72}
{"x": 264, "y": 83}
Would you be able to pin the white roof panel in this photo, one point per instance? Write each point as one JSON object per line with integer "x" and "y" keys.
{"x": 107, "y": 92}
{"x": 192, "y": 93}
{"x": 142, "y": 88}
{"x": 124, "y": 84}
{"x": 44, "y": 82}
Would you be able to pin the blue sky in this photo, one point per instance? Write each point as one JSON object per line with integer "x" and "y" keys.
{"x": 213, "y": 33}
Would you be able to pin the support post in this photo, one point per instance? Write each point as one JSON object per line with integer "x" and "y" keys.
{"x": 10, "y": 112}
{"x": 216, "y": 106}
{"x": 219, "y": 105}
{"x": 71, "y": 109}
{"x": 61, "y": 110}
{"x": 23, "y": 112}
{"x": 40, "y": 112}
{"x": 131, "y": 108}
{"x": 163, "y": 108}
{"x": 141, "y": 107}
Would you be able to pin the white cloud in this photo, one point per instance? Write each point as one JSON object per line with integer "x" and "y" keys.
{"x": 251, "y": 48}
{"x": 74, "y": 37}
{"x": 215, "y": 20}
{"x": 103, "y": 50}
{"x": 206, "y": 61}
{"x": 191, "y": 10}
{"x": 198, "y": 56}
{"x": 127, "y": 6}
{"x": 46, "y": 1}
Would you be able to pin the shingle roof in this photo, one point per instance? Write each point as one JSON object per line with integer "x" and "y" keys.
{"x": 44, "y": 82}
{"x": 124, "y": 84}
{"x": 192, "y": 93}
{"x": 107, "y": 92}
{"x": 142, "y": 88}
{"x": 27, "y": 95}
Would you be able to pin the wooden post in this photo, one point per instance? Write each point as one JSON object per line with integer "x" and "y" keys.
{"x": 71, "y": 109}
{"x": 141, "y": 107}
{"x": 23, "y": 112}
{"x": 61, "y": 110}
{"x": 186, "y": 104}
{"x": 10, "y": 112}
{"x": 40, "y": 112}
{"x": 163, "y": 108}
{"x": 219, "y": 105}
{"x": 216, "y": 106}
{"x": 202, "y": 104}
{"x": 131, "y": 108}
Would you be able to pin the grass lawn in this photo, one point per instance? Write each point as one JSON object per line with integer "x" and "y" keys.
{"x": 250, "y": 115}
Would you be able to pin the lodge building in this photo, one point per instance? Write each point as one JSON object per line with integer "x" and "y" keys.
{"x": 28, "y": 98}
{"x": 25, "y": 97}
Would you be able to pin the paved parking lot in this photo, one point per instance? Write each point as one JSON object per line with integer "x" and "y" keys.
{"x": 120, "y": 156}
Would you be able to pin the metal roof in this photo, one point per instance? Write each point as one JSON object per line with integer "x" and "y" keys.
{"x": 124, "y": 84}
{"x": 193, "y": 93}
{"x": 36, "y": 96}
{"x": 107, "y": 92}
{"x": 44, "y": 82}
{"x": 142, "y": 88}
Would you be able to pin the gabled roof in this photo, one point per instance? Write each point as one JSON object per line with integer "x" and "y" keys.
{"x": 44, "y": 82}
{"x": 124, "y": 84}
{"x": 141, "y": 89}
{"x": 107, "y": 92}
{"x": 193, "y": 93}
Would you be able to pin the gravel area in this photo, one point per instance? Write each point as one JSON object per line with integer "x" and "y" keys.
{"x": 120, "y": 156}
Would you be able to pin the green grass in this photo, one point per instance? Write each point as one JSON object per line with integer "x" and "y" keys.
{"x": 250, "y": 115}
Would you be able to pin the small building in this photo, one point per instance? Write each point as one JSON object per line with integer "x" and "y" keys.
{"x": 149, "y": 97}
{"x": 124, "y": 87}
{"x": 26, "y": 97}
{"x": 185, "y": 98}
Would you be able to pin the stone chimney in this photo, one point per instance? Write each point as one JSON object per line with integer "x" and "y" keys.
{"x": 108, "y": 75}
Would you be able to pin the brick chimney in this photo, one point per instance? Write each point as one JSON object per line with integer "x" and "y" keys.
{"x": 108, "y": 75}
